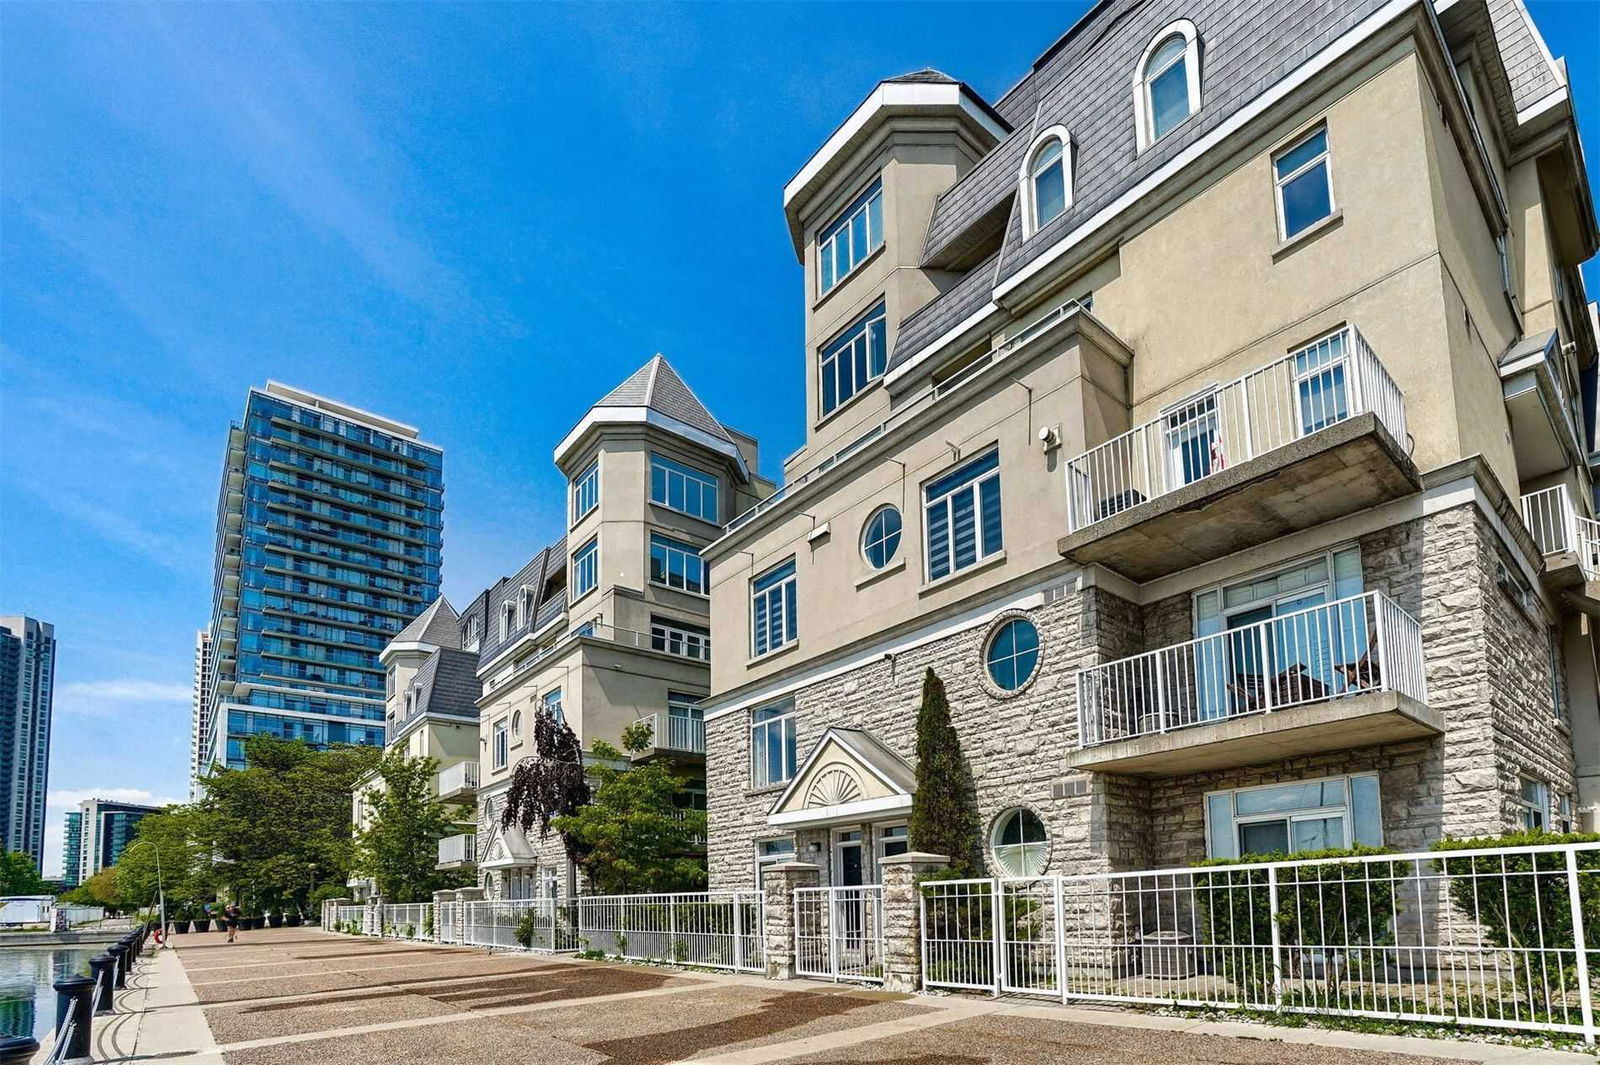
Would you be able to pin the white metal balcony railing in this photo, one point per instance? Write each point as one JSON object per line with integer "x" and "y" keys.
{"x": 1557, "y": 527}
{"x": 1362, "y": 644}
{"x": 673, "y": 732}
{"x": 463, "y": 776}
{"x": 1321, "y": 384}
{"x": 454, "y": 850}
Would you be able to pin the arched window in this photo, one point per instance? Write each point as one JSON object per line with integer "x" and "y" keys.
{"x": 516, "y": 725}
{"x": 880, "y": 539}
{"x": 1046, "y": 179}
{"x": 1166, "y": 84}
{"x": 1012, "y": 654}
{"x": 1019, "y": 844}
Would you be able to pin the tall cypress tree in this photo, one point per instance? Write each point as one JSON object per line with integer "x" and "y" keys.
{"x": 944, "y": 815}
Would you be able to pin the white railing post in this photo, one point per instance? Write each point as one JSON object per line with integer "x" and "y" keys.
{"x": 1061, "y": 938}
{"x": 1580, "y": 945}
{"x": 1266, "y": 667}
{"x": 738, "y": 931}
{"x": 997, "y": 933}
{"x": 1161, "y": 689}
{"x": 1277, "y": 939}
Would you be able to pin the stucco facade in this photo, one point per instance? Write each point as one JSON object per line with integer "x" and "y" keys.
{"x": 1375, "y": 530}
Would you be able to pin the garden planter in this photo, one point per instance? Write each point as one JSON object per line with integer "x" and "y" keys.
{"x": 255, "y": 924}
{"x": 292, "y": 920}
{"x": 180, "y": 927}
{"x": 202, "y": 924}
{"x": 274, "y": 920}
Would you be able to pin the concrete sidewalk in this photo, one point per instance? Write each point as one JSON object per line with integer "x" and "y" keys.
{"x": 303, "y": 997}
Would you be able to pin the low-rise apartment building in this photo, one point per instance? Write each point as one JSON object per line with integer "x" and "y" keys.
{"x": 609, "y": 624}
{"x": 1212, "y": 414}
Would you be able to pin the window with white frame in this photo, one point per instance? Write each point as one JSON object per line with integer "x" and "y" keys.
{"x": 1166, "y": 83}
{"x": 1321, "y": 381}
{"x": 854, "y": 359}
{"x": 890, "y": 840}
{"x": 962, "y": 516}
{"x": 508, "y": 620}
{"x": 501, "y": 746}
{"x": 680, "y": 638}
{"x": 676, "y": 565}
{"x": 772, "y": 609}
{"x": 1558, "y": 687}
{"x": 770, "y": 852}
{"x": 846, "y": 243}
{"x": 516, "y": 726}
{"x": 1308, "y": 815}
{"x": 1534, "y": 798}
{"x": 1565, "y": 822}
{"x": 880, "y": 537}
{"x": 772, "y": 745}
{"x": 586, "y": 491}
{"x": 526, "y": 607}
{"x": 551, "y": 704}
{"x": 585, "y": 569}
{"x": 474, "y": 634}
{"x": 683, "y": 488}
{"x": 1046, "y": 180}
{"x": 1019, "y": 843}
{"x": 1303, "y": 183}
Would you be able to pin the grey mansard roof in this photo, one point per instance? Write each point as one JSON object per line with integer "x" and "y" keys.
{"x": 447, "y": 683}
{"x": 1084, "y": 83}
{"x": 657, "y": 386}
{"x": 535, "y": 574}
{"x": 438, "y": 625}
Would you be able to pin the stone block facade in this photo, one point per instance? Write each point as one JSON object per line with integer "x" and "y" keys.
{"x": 1487, "y": 662}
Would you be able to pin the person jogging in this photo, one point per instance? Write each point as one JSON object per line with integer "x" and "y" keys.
{"x": 230, "y": 917}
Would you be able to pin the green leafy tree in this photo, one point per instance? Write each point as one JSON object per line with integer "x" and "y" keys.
{"x": 19, "y": 876}
{"x": 632, "y": 836}
{"x": 282, "y": 825}
{"x": 401, "y": 846}
{"x": 99, "y": 890}
{"x": 944, "y": 813}
{"x": 181, "y": 837}
{"x": 552, "y": 784}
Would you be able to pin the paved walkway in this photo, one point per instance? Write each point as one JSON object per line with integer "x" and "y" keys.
{"x": 304, "y": 997}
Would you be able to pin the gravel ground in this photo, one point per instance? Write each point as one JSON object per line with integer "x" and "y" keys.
{"x": 1003, "y": 1040}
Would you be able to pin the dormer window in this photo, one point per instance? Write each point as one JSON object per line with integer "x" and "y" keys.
{"x": 846, "y": 243}
{"x": 1166, "y": 84}
{"x": 1046, "y": 180}
{"x": 508, "y": 620}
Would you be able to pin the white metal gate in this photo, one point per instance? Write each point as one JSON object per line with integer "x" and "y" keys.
{"x": 838, "y": 932}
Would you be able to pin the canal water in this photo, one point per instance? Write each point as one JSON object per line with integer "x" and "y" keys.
{"x": 27, "y": 1000}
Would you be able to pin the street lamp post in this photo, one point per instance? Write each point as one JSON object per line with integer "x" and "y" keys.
{"x": 161, "y": 891}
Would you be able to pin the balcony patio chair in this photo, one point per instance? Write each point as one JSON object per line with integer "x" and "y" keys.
{"x": 1366, "y": 672}
{"x": 1293, "y": 685}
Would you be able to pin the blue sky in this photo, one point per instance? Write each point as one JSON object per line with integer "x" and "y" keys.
{"x": 474, "y": 218}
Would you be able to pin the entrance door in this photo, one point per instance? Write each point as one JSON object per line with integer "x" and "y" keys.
{"x": 850, "y": 856}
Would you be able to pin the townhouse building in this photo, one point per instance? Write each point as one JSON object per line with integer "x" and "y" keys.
{"x": 1212, "y": 414}
{"x": 608, "y": 625}
{"x": 430, "y": 711}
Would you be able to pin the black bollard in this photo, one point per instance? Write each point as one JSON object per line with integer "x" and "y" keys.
{"x": 119, "y": 954}
{"x": 17, "y": 1050}
{"x": 101, "y": 968}
{"x": 73, "y": 997}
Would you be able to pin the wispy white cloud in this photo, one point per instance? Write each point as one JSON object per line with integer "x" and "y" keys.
{"x": 110, "y": 697}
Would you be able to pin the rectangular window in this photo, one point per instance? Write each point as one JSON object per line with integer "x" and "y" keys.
{"x": 676, "y": 565}
{"x": 772, "y": 609}
{"x": 586, "y": 491}
{"x": 585, "y": 569}
{"x": 502, "y": 744}
{"x": 1534, "y": 798}
{"x": 1309, "y": 815}
{"x": 680, "y": 638}
{"x": 551, "y": 704}
{"x": 846, "y": 243}
{"x": 771, "y": 852}
{"x": 1321, "y": 388}
{"x": 962, "y": 516}
{"x": 1304, "y": 184}
{"x": 683, "y": 488}
{"x": 772, "y": 752}
{"x": 1564, "y": 819}
{"x": 682, "y": 704}
{"x": 854, "y": 359}
{"x": 1558, "y": 693}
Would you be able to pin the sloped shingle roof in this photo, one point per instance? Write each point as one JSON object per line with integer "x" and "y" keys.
{"x": 438, "y": 625}
{"x": 657, "y": 386}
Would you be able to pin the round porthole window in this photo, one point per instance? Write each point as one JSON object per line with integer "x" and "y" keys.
{"x": 1013, "y": 654}
{"x": 880, "y": 539}
{"x": 1019, "y": 844}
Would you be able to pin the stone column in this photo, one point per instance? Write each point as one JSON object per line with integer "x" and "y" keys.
{"x": 902, "y": 917}
{"x": 464, "y": 896}
{"x": 440, "y": 900}
{"x": 372, "y": 920}
{"x": 329, "y": 908}
{"x": 778, "y": 884}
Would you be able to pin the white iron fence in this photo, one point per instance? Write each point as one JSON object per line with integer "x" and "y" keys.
{"x": 1557, "y": 527}
{"x": 838, "y": 932}
{"x": 674, "y": 732}
{"x": 717, "y": 929}
{"x": 546, "y": 925}
{"x": 445, "y": 927}
{"x": 1321, "y": 384}
{"x": 344, "y": 916}
{"x": 408, "y": 920}
{"x": 1500, "y": 937}
{"x": 1361, "y": 644}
